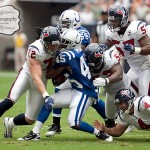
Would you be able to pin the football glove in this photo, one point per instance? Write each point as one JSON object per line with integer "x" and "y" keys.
{"x": 48, "y": 103}
{"x": 98, "y": 82}
{"x": 132, "y": 49}
{"x": 103, "y": 47}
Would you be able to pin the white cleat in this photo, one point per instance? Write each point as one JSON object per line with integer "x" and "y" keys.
{"x": 104, "y": 136}
{"x": 129, "y": 129}
{"x": 30, "y": 136}
{"x": 55, "y": 129}
{"x": 7, "y": 128}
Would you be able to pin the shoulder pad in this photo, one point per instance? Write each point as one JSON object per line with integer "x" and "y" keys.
{"x": 135, "y": 25}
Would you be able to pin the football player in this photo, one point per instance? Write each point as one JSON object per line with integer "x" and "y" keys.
{"x": 81, "y": 94}
{"x": 107, "y": 73}
{"x": 69, "y": 19}
{"x": 31, "y": 79}
{"x": 133, "y": 43}
{"x": 131, "y": 110}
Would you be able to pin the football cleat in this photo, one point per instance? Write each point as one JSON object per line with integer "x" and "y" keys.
{"x": 104, "y": 136}
{"x": 30, "y": 136}
{"x": 129, "y": 129}
{"x": 8, "y": 129}
{"x": 54, "y": 129}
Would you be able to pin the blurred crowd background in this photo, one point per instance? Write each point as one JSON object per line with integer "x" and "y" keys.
{"x": 41, "y": 13}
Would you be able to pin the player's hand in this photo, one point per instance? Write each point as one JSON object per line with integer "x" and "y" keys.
{"x": 103, "y": 47}
{"x": 98, "y": 82}
{"x": 48, "y": 103}
{"x": 129, "y": 47}
{"x": 98, "y": 125}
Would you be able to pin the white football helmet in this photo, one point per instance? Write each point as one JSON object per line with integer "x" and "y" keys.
{"x": 69, "y": 19}
{"x": 70, "y": 39}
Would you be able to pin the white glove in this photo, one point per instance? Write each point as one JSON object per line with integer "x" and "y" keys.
{"x": 100, "y": 82}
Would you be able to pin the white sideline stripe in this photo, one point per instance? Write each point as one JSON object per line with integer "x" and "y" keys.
{"x": 8, "y": 74}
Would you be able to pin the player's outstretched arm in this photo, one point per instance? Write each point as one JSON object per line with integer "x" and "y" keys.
{"x": 116, "y": 131}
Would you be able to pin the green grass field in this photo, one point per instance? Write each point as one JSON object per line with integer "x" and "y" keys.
{"x": 69, "y": 139}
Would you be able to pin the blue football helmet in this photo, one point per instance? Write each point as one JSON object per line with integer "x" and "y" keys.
{"x": 95, "y": 57}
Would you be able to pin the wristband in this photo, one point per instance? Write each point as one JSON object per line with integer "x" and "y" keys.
{"x": 137, "y": 50}
{"x": 45, "y": 94}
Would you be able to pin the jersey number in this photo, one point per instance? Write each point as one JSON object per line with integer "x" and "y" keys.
{"x": 143, "y": 29}
{"x": 31, "y": 53}
{"x": 84, "y": 68}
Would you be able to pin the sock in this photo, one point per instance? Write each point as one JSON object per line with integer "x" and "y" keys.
{"x": 43, "y": 115}
{"x": 20, "y": 120}
{"x": 56, "y": 120}
{"x": 99, "y": 106}
{"x": 86, "y": 127}
{"x": 37, "y": 127}
{"x": 5, "y": 105}
{"x": 95, "y": 131}
{"x": 11, "y": 122}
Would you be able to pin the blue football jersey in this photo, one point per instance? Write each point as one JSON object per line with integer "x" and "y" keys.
{"x": 80, "y": 77}
{"x": 85, "y": 35}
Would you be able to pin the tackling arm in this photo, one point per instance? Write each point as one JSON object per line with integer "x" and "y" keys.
{"x": 36, "y": 72}
{"x": 117, "y": 73}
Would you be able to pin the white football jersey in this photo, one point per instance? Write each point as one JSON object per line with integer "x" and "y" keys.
{"x": 135, "y": 31}
{"x": 36, "y": 51}
{"x": 148, "y": 30}
{"x": 111, "y": 58}
{"x": 141, "y": 117}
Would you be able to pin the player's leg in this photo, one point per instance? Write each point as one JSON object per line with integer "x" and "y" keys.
{"x": 134, "y": 81}
{"x": 55, "y": 127}
{"x": 34, "y": 102}
{"x": 144, "y": 83}
{"x": 78, "y": 107}
{"x": 99, "y": 106}
{"x": 61, "y": 99}
{"x": 17, "y": 89}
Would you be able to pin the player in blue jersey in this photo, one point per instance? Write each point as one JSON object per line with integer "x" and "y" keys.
{"x": 71, "y": 19}
{"x": 81, "y": 94}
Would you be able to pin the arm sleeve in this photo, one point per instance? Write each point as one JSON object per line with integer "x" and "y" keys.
{"x": 141, "y": 30}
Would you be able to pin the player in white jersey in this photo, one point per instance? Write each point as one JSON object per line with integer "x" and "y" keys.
{"x": 31, "y": 79}
{"x": 133, "y": 43}
{"x": 131, "y": 110}
{"x": 148, "y": 30}
{"x": 107, "y": 72}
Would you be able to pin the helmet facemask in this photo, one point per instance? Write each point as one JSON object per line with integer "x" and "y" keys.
{"x": 51, "y": 48}
{"x": 117, "y": 18}
{"x": 70, "y": 39}
{"x": 50, "y": 40}
{"x": 95, "y": 57}
{"x": 96, "y": 64}
{"x": 69, "y": 19}
{"x": 124, "y": 100}
{"x": 64, "y": 25}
